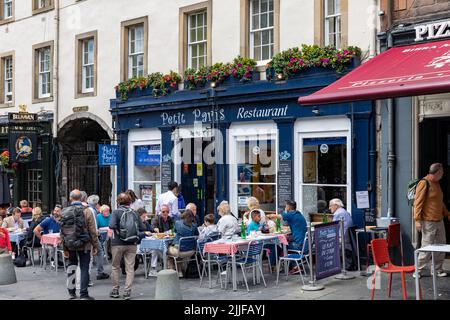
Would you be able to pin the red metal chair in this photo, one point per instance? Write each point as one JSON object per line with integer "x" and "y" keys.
{"x": 381, "y": 258}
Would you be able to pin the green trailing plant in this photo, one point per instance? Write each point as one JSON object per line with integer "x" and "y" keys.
{"x": 294, "y": 60}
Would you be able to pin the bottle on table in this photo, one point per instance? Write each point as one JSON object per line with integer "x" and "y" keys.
{"x": 278, "y": 225}
{"x": 243, "y": 230}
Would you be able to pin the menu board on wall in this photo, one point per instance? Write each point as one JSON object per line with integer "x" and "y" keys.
{"x": 166, "y": 175}
{"x": 284, "y": 182}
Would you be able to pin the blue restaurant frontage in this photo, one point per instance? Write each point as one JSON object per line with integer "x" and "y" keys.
{"x": 262, "y": 143}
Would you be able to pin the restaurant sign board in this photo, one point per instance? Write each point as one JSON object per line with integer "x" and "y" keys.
{"x": 432, "y": 31}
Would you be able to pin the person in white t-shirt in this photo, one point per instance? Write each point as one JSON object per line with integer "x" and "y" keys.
{"x": 170, "y": 199}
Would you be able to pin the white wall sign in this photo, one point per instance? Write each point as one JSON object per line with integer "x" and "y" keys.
{"x": 324, "y": 148}
{"x": 432, "y": 31}
{"x": 362, "y": 200}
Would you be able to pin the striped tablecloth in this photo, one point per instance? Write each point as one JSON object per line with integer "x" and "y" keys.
{"x": 17, "y": 236}
{"x": 52, "y": 239}
{"x": 231, "y": 246}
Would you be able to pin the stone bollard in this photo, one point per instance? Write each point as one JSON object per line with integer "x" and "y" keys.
{"x": 7, "y": 271}
{"x": 168, "y": 286}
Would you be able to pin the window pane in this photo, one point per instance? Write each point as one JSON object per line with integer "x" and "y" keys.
{"x": 265, "y": 55}
{"x": 200, "y": 19}
{"x": 256, "y": 161}
{"x": 255, "y": 6}
{"x": 201, "y": 49}
{"x": 316, "y": 199}
{"x": 330, "y": 7}
{"x": 264, "y": 6}
{"x": 265, "y": 37}
{"x": 193, "y": 36}
{"x": 257, "y": 53}
{"x": 325, "y": 160}
{"x": 331, "y": 25}
{"x": 271, "y": 19}
{"x": 257, "y": 38}
{"x": 264, "y": 21}
{"x": 148, "y": 193}
{"x": 266, "y": 194}
{"x": 200, "y": 34}
{"x": 193, "y": 21}
{"x": 255, "y": 22}
{"x": 194, "y": 49}
{"x": 270, "y": 5}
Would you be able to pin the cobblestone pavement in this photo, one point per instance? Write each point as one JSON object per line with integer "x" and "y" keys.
{"x": 35, "y": 283}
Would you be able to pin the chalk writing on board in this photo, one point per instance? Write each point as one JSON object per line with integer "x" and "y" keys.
{"x": 326, "y": 238}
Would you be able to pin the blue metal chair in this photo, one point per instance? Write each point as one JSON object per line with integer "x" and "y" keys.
{"x": 296, "y": 256}
{"x": 213, "y": 258}
{"x": 187, "y": 244}
{"x": 252, "y": 259}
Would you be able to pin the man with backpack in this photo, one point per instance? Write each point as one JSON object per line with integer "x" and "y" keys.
{"x": 429, "y": 212}
{"x": 79, "y": 238}
{"x": 127, "y": 230}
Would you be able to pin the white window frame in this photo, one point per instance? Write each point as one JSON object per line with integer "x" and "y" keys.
{"x": 338, "y": 22}
{"x": 85, "y": 65}
{"x": 7, "y": 6}
{"x": 42, "y": 73}
{"x": 323, "y": 128}
{"x": 131, "y": 55}
{"x": 253, "y": 30}
{"x": 8, "y": 79}
{"x": 243, "y": 132}
{"x": 142, "y": 137}
{"x": 197, "y": 43}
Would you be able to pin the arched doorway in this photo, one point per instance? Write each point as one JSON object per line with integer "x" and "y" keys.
{"x": 77, "y": 159}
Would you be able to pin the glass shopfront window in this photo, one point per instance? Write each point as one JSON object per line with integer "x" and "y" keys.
{"x": 147, "y": 174}
{"x": 256, "y": 173}
{"x": 324, "y": 173}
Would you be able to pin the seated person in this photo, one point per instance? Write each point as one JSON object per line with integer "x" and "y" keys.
{"x": 255, "y": 223}
{"x": 36, "y": 219}
{"x": 25, "y": 209}
{"x": 183, "y": 228}
{"x": 208, "y": 228}
{"x": 337, "y": 209}
{"x": 163, "y": 222}
{"x": 143, "y": 216}
{"x": 5, "y": 244}
{"x": 227, "y": 223}
{"x": 50, "y": 224}
{"x": 13, "y": 222}
{"x": 253, "y": 204}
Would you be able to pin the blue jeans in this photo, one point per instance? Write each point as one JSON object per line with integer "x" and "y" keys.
{"x": 85, "y": 258}
{"x": 100, "y": 253}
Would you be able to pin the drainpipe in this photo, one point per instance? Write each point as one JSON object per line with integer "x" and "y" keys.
{"x": 56, "y": 71}
{"x": 373, "y": 30}
{"x": 391, "y": 147}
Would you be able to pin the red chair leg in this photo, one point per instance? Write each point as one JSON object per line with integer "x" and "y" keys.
{"x": 404, "y": 287}
{"x": 373, "y": 284}
{"x": 390, "y": 285}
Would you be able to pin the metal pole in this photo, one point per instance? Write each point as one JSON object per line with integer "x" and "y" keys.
{"x": 312, "y": 286}
{"x": 343, "y": 275}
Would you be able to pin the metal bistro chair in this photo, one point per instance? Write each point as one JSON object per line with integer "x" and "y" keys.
{"x": 32, "y": 249}
{"x": 187, "y": 244}
{"x": 296, "y": 256}
{"x": 214, "y": 258}
{"x": 252, "y": 259}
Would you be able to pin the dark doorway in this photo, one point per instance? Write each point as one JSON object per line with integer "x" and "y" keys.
{"x": 198, "y": 177}
{"x": 78, "y": 160}
{"x": 434, "y": 146}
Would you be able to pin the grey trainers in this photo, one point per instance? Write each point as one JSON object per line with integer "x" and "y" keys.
{"x": 127, "y": 295}
{"x": 114, "y": 293}
{"x": 153, "y": 272}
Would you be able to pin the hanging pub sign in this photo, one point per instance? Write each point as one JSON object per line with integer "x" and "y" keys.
{"x": 108, "y": 155}
{"x": 22, "y": 137}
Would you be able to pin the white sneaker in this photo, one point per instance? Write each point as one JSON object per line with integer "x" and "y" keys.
{"x": 153, "y": 273}
{"x": 414, "y": 275}
{"x": 440, "y": 274}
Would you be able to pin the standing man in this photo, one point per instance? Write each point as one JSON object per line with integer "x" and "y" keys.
{"x": 79, "y": 238}
{"x": 429, "y": 213}
{"x": 169, "y": 198}
{"x": 124, "y": 222}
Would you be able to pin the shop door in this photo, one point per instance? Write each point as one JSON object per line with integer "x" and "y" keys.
{"x": 434, "y": 146}
{"x": 197, "y": 180}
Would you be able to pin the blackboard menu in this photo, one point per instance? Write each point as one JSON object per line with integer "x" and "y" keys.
{"x": 370, "y": 217}
{"x": 326, "y": 239}
{"x": 284, "y": 182}
{"x": 166, "y": 175}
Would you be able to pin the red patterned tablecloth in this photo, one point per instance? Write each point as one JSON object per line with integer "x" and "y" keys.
{"x": 231, "y": 247}
{"x": 52, "y": 239}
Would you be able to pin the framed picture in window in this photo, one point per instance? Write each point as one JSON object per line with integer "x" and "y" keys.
{"x": 309, "y": 167}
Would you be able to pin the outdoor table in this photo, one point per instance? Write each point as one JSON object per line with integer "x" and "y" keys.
{"x": 17, "y": 237}
{"x": 431, "y": 248}
{"x": 151, "y": 243}
{"x": 231, "y": 247}
{"x": 378, "y": 230}
{"x": 51, "y": 241}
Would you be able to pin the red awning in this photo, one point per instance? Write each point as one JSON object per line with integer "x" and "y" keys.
{"x": 398, "y": 72}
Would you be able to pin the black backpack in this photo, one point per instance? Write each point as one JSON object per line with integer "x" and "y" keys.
{"x": 21, "y": 260}
{"x": 129, "y": 226}
{"x": 74, "y": 231}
